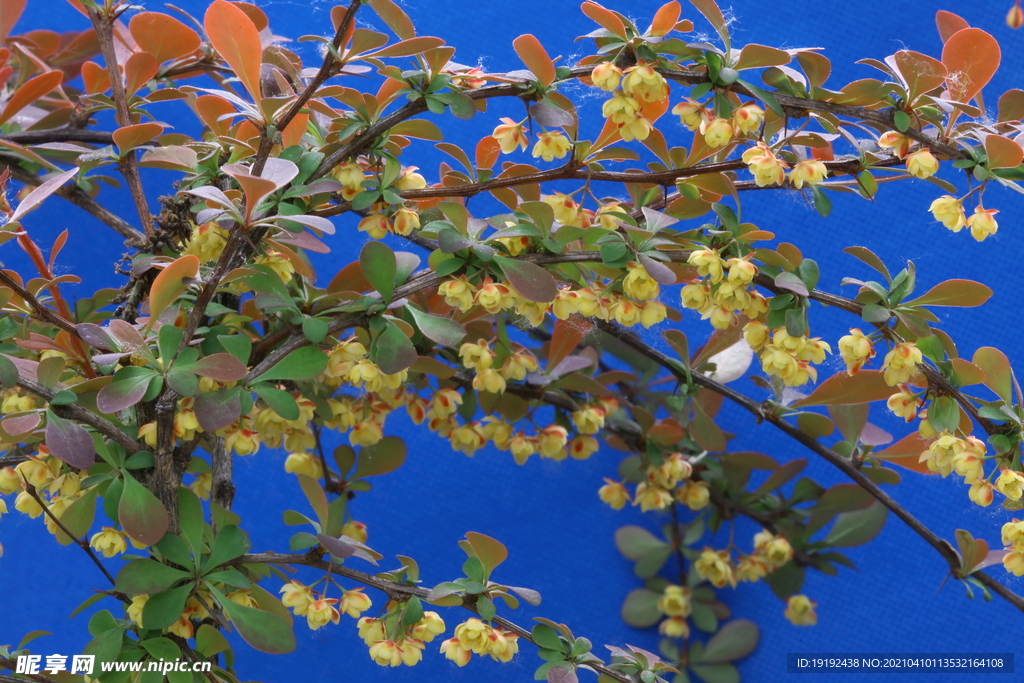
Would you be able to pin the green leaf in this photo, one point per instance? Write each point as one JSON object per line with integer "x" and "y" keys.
{"x": 640, "y": 608}
{"x": 379, "y": 266}
{"x": 210, "y": 641}
{"x": 822, "y": 204}
{"x": 489, "y": 551}
{"x": 413, "y": 611}
{"x": 392, "y": 351}
{"x": 8, "y": 372}
{"x": 264, "y": 631}
{"x": 716, "y": 673}
{"x": 902, "y": 121}
{"x": 161, "y": 648}
{"x": 314, "y": 329}
{"x": 238, "y": 345}
{"x": 442, "y": 330}
{"x": 163, "y": 609}
{"x": 231, "y": 542}
{"x": 303, "y": 363}
{"x": 634, "y": 542}
{"x": 78, "y": 517}
{"x": 485, "y": 606}
{"x": 383, "y": 457}
{"x": 857, "y": 527}
{"x": 944, "y": 414}
{"x": 147, "y": 576}
{"x": 140, "y": 512}
{"x": 735, "y": 640}
{"x": 279, "y": 400}
{"x": 547, "y": 637}
{"x": 190, "y": 519}
{"x": 763, "y": 95}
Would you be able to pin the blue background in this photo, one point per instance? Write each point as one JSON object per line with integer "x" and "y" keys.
{"x": 559, "y": 536}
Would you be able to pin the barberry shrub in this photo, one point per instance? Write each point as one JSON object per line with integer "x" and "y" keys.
{"x": 546, "y": 322}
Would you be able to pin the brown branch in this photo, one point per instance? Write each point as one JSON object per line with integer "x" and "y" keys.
{"x": 79, "y": 198}
{"x": 44, "y": 313}
{"x": 396, "y": 591}
{"x": 104, "y": 25}
{"x": 766, "y": 413}
{"x": 223, "y": 490}
{"x": 7, "y": 663}
{"x": 39, "y": 137}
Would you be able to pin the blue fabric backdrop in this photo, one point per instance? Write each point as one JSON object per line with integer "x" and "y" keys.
{"x": 558, "y": 534}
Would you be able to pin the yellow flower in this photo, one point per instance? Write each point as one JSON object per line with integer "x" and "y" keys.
{"x": 614, "y": 494}
{"x": 638, "y": 284}
{"x": 800, "y": 611}
{"x": 298, "y": 596}
{"x": 492, "y": 296}
{"x": 1013, "y": 534}
{"x": 675, "y": 601}
{"x": 674, "y": 627}
{"x": 278, "y": 263}
{"x": 355, "y": 530}
{"x": 696, "y": 296}
{"x": 522, "y": 447}
{"x": 981, "y": 493}
{"x": 135, "y": 608}
{"x": 694, "y": 494}
{"x": 405, "y": 221}
{"x": 582, "y": 447}
{"x": 518, "y": 365}
{"x": 468, "y": 438}
{"x": 982, "y": 223}
{"x": 376, "y": 225}
{"x": 552, "y": 440}
{"x": 650, "y": 497}
{"x": 473, "y": 635}
{"x": 551, "y": 146}
{"x": 856, "y": 350}
{"x": 1010, "y": 483}
{"x": 709, "y": 264}
{"x": 751, "y": 568}
{"x": 303, "y": 463}
{"x": 109, "y": 542}
{"x": 897, "y": 142}
{"x": 637, "y": 128}
{"x": 756, "y": 335}
{"x": 621, "y": 108}
{"x": 370, "y": 630}
{"x": 625, "y": 312}
{"x": 351, "y": 176}
{"x": 27, "y": 505}
{"x": 386, "y": 653}
{"x": 365, "y": 433}
{"x": 1014, "y": 562}
{"x": 35, "y": 472}
{"x": 489, "y": 380}
{"x": 652, "y": 313}
{"x": 901, "y": 364}
{"x": 453, "y": 650}
{"x": 9, "y": 480}
{"x": 428, "y": 627}
{"x": 458, "y": 293}
{"x": 510, "y": 135}
{"x": 692, "y": 114}
{"x": 904, "y": 404}
{"x": 747, "y": 118}
{"x": 774, "y": 550}
{"x": 717, "y": 133}
{"x": 202, "y": 485}
{"x": 207, "y": 242}
{"x": 410, "y": 180}
{"x": 1015, "y": 17}
{"x": 949, "y": 211}
{"x": 588, "y": 420}
{"x": 502, "y": 645}
{"x": 644, "y": 83}
{"x": 714, "y": 566}
{"x": 922, "y": 164}
{"x": 741, "y": 271}
{"x": 354, "y": 603}
{"x": 807, "y": 172}
{"x": 606, "y": 76}
{"x": 182, "y": 628}
{"x": 476, "y": 356}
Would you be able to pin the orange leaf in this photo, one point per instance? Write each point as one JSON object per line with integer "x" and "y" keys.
{"x": 10, "y": 12}
{"x": 754, "y": 56}
{"x": 1011, "y": 105}
{"x": 948, "y": 24}
{"x": 170, "y": 284}
{"x": 1003, "y": 152}
{"x": 406, "y": 48}
{"x": 397, "y": 20}
{"x": 972, "y": 55}
{"x": 487, "y": 151}
{"x": 96, "y": 78}
{"x": 998, "y": 376}
{"x": 350, "y": 279}
{"x": 130, "y": 137}
{"x": 968, "y": 373}
{"x": 665, "y": 19}
{"x": 211, "y": 108}
{"x": 606, "y": 18}
{"x": 338, "y": 14}
{"x": 842, "y": 389}
{"x": 258, "y": 16}
{"x": 906, "y": 453}
{"x": 233, "y": 34}
{"x": 567, "y": 336}
{"x": 711, "y": 12}
{"x": 921, "y": 72}
{"x": 138, "y": 71}
{"x": 163, "y": 36}
{"x": 33, "y": 89}
{"x": 959, "y": 293}
{"x": 536, "y": 58}
{"x": 292, "y": 135}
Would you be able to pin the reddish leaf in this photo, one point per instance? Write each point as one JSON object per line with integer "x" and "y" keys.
{"x": 665, "y": 18}
{"x": 10, "y": 12}
{"x": 781, "y": 476}
{"x": 211, "y": 110}
{"x": 606, "y": 18}
{"x": 217, "y": 409}
{"x": 906, "y": 452}
{"x": 1003, "y": 152}
{"x": 961, "y": 293}
{"x": 16, "y": 425}
{"x": 711, "y": 12}
{"x": 487, "y": 152}
{"x": 531, "y": 281}
{"x": 754, "y": 56}
{"x": 258, "y": 16}
{"x": 138, "y": 71}
{"x": 163, "y": 36}
{"x": 141, "y": 513}
{"x": 31, "y": 91}
{"x": 292, "y": 134}
{"x": 222, "y": 367}
{"x": 998, "y": 376}
{"x": 971, "y": 57}
{"x": 921, "y": 72}
{"x": 36, "y": 196}
{"x": 566, "y": 337}
{"x": 95, "y": 77}
{"x": 384, "y": 457}
{"x": 948, "y": 24}
{"x": 536, "y": 58}
{"x": 170, "y": 284}
{"x": 349, "y": 279}
{"x": 967, "y": 373}
{"x": 127, "y": 389}
{"x": 69, "y": 442}
{"x": 130, "y": 137}
{"x": 397, "y": 20}
{"x": 406, "y": 48}
{"x": 1011, "y": 106}
{"x": 489, "y": 551}
{"x": 864, "y": 387}
{"x": 233, "y": 34}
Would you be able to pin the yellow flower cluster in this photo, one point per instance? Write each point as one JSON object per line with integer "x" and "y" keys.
{"x": 624, "y": 111}
{"x": 966, "y": 456}
{"x": 800, "y": 611}
{"x": 723, "y": 290}
{"x": 378, "y": 223}
{"x": 786, "y": 357}
{"x": 477, "y": 637}
{"x": 667, "y": 482}
{"x": 207, "y": 242}
{"x": 1013, "y": 539}
{"x": 902, "y": 363}
{"x": 406, "y": 649}
{"x": 855, "y": 349}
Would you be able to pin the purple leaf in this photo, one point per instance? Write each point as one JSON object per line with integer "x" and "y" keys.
{"x": 550, "y": 115}
{"x": 657, "y": 270}
{"x": 217, "y": 409}
{"x": 29, "y": 369}
{"x": 321, "y": 224}
{"x": 336, "y": 547}
{"x": 127, "y": 389}
{"x": 222, "y": 367}
{"x": 126, "y": 334}
{"x": 108, "y": 358}
{"x": 16, "y": 425}
{"x": 657, "y": 220}
{"x": 570, "y": 364}
{"x": 303, "y": 240}
{"x": 562, "y": 674}
{"x": 214, "y": 196}
{"x": 528, "y": 594}
{"x": 36, "y": 196}
{"x": 94, "y": 335}
{"x": 791, "y": 282}
{"x": 531, "y": 281}
{"x": 69, "y": 442}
